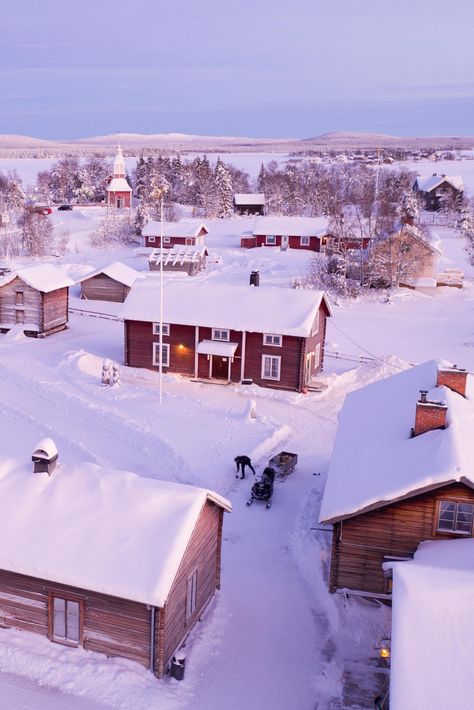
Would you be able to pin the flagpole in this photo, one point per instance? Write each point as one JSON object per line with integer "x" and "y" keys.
{"x": 161, "y": 298}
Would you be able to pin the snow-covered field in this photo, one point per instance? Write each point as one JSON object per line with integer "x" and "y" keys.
{"x": 273, "y": 637}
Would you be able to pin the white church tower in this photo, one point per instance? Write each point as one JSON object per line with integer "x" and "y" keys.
{"x": 119, "y": 192}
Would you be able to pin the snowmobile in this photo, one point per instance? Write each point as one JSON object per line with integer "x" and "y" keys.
{"x": 262, "y": 489}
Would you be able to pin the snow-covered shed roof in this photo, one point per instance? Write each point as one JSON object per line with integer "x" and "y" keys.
{"x": 291, "y": 226}
{"x": 100, "y": 529}
{"x": 427, "y": 183}
{"x": 118, "y": 184}
{"x": 42, "y": 277}
{"x": 375, "y": 462}
{"x": 191, "y": 228}
{"x": 432, "y": 642}
{"x": 179, "y": 254}
{"x": 117, "y": 271}
{"x": 249, "y": 198}
{"x": 284, "y": 311}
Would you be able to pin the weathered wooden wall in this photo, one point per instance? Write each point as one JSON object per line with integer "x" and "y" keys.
{"x": 360, "y": 544}
{"x": 29, "y": 312}
{"x": 103, "y": 288}
{"x": 55, "y": 309}
{"x": 202, "y": 555}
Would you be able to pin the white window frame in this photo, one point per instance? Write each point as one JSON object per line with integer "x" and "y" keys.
{"x": 317, "y": 355}
{"x": 166, "y": 329}
{"x": 166, "y": 240}
{"x": 454, "y": 529}
{"x": 151, "y": 239}
{"x": 305, "y": 241}
{"x": 66, "y": 635}
{"x": 166, "y": 351}
{"x": 219, "y": 337}
{"x": 275, "y": 341}
{"x": 191, "y": 594}
{"x": 270, "y": 239}
{"x": 274, "y": 359}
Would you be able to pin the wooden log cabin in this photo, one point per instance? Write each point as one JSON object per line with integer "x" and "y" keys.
{"x": 111, "y": 283}
{"x": 402, "y": 472}
{"x": 273, "y": 337}
{"x": 35, "y": 298}
{"x": 189, "y": 233}
{"x": 145, "y": 576}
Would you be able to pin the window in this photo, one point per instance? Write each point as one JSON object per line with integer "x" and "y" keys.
{"x": 19, "y": 316}
{"x": 166, "y": 240}
{"x": 455, "y": 516}
{"x": 317, "y": 355}
{"x": 270, "y": 239}
{"x": 275, "y": 340}
{"x": 166, "y": 354}
{"x": 304, "y": 241}
{"x": 219, "y": 334}
{"x": 271, "y": 367}
{"x": 19, "y": 298}
{"x": 66, "y": 620}
{"x": 315, "y": 327}
{"x": 191, "y": 595}
{"x": 151, "y": 239}
{"x": 156, "y": 329}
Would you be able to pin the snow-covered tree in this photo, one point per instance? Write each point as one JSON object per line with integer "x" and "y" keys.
{"x": 224, "y": 189}
{"x": 396, "y": 259}
{"x": 37, "y": 233}
{"x": 140, "y": 218}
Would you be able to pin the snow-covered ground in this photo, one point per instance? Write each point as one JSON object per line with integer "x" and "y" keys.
{"x": 273, "y": 636}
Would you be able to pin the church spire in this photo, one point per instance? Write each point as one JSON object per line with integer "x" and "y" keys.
{"x": 119, "y": 163}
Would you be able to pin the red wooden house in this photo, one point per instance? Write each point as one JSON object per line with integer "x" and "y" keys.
{"x": 271, "y": 336}
{"x": 189, "y": 233}
{"x": 119, "y": 192}
{"x": 289, "y": 232}
{"x": 107, "y": 560}
{"x": 249, "y": 203}
{"x": 35, "y": 298}
{"x": 402, "y": 471}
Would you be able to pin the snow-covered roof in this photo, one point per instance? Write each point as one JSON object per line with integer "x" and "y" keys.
{"x": 374, "y": 460}
{"x": 433, "y": 627}
{"x": 249, "y": 198}
{"x": 117, "y": 271}
{"x": 217, "y": 347}
{"x": 174, "y": 229}
{"x": 42, "y": 277}
{"x": 118, "y": 184}
{"x": 291, "y": 226}
{"x": 284, "y": 311}
{"x": 426, "y": 238}
{"x": 427, "y": 183}
{"x": 104, "y": 530}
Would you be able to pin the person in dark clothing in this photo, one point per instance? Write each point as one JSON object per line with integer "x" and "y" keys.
{"x": 242, "y": 462}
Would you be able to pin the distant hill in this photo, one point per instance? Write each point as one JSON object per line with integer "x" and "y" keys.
{"x": 13, "y": 141}
{"x": 348, "y": 137}
{"x": 173, "y": 139}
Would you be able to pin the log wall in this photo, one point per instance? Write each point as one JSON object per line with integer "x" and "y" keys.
{"x": 103, "y": 288}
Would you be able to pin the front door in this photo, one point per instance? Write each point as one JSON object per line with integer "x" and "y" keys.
{"x": 284, "y": 241}
{"x": 220, "y": 367}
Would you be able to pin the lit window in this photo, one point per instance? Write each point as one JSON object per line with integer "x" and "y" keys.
{"x": 191, "y": 595}
{"x": 66, "y": 621}
{"x": 270, "y": 239}
{"x": 156, "y": 329}
{"x": 219, "y": 334}
{"x": 271, "y": 367}
{"x": 455, "y": 516}
{"x": 166, "y": 354}
{"x": 304, "y": 241}
{"x": 275, "y": 340}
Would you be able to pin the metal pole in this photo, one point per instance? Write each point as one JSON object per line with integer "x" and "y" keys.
{"x": 161, "y": 300}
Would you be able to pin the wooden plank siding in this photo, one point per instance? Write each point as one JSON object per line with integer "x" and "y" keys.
{"x": 203, "y": 556}
{"x": 113, "y": 626}
{"x": 361, "y": 543}
{"x": 55, "y": 310}
{"x": 294, "y": 242}
{"x": 103, "y": 288}
{"x": 44, "y": 313}
{"x": 139, "y": 339}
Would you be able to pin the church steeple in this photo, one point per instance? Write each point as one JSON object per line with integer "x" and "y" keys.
{"x": 119, "y": 164}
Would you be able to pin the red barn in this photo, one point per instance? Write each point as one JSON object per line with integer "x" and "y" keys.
{"x": 190, "y": 233}
{"x": 271, "y": 336}
{"x": 290, "y": 232}
{"x": 116, "y": 563}
{"x": 119, "y": 192}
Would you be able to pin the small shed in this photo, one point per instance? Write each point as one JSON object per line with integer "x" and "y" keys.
{"x": 249, "y": 203}
{"x": 37, "y": 298}
{"x": 149, "y": 552}
{"x": 111, "y": 283}
{"x": 190, "y": 260}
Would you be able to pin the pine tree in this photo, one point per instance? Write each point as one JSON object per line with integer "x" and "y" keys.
{"x": 140, "y": 219}
{"x": 224, "y": 189}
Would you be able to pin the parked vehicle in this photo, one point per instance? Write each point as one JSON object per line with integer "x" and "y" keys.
{"x": 283, "y": 463}
{"x": 262, "y": 489}
{"x": 64, "y": 208}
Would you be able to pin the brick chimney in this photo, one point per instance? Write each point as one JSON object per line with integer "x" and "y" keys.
{"x": 453, "y": 377}
{"x": 429, "y": 415}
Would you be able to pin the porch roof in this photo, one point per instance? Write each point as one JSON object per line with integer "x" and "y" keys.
{"x": 217, "y": 347}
